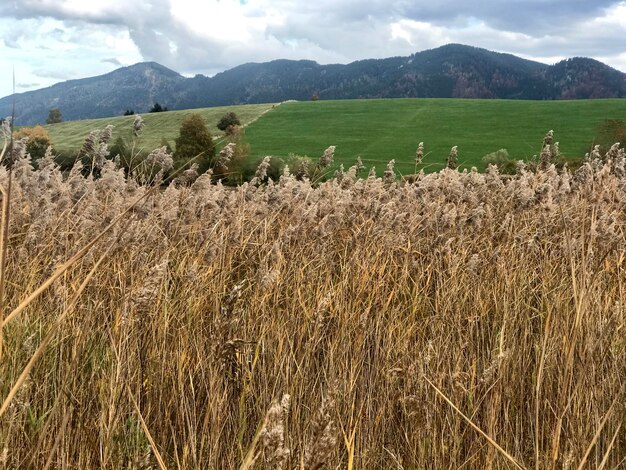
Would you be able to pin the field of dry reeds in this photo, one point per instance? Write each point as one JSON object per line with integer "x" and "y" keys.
{"x": 463, "y": 320}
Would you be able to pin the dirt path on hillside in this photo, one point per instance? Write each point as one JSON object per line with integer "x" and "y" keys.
{"x": 220, "y": 139}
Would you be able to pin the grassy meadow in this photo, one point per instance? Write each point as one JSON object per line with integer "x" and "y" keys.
{"x": 385, "y": 129}
{"x": 381, "y": 130}
{"x": 68, "y": 137}
{"x": 464, "y": 320}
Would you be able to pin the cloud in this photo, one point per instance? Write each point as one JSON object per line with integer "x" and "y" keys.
{"x": 113, "y": 61}
{"x": 27, "y": 86}
{"x": 93, "y": 11}
{"x": 53, "y": 73}
{"x": 207, "y": 37}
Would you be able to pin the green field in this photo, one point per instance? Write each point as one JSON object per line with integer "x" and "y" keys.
{"x": 384, "y": 129}
{"x": 68, "y": 137}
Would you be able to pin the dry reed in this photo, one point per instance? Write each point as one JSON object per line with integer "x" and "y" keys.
{"x": 361, "y": 302}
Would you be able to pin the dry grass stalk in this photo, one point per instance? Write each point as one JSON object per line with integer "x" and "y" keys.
{"x": 476, "y": 428}
{"x": 507, "y": 293}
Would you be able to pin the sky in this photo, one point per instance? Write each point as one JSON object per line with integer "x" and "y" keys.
{"x": 48, "y": 41}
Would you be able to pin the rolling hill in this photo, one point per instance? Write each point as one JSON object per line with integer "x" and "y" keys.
{"x": 379, "y": 130}
{"x": 451, "y": 71}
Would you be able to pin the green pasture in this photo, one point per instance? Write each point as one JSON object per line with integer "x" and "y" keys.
{"x": 379, "y": 130}
{"x": 383, "y": 129}
{"x": 67, "y": 137}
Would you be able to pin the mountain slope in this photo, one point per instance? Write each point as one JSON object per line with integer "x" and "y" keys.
{"x": 448, "y": 71}
{"x": 451, "y": 71}
{"x": 134, "y": 87}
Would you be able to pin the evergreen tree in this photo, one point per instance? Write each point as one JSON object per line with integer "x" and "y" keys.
{"x": 157, "y": 108}
{"x": 54, "y": 116}
{"x": 229, "y": 119}
{"x": 194, "y": 139}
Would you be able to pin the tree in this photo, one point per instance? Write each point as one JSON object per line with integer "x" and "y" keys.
{"x": 194, "y": 139}
{"x": 54, "y": 116}
{"x": 120, "y": 148}
{"x": 611, "y": 131}
{"x": 38, "y": 140}
{"x": 238, "y": 167}
{"x": 129, "y": 112}
{"x": 157, "y": 108}
{"x": 165, "y": 143}
{"x": 228, "y": 120}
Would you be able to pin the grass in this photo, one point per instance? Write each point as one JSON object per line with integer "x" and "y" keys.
{"x": 381, "y": 130}
{"x": 466, "y": 320}
{"x": 68, "y": 137}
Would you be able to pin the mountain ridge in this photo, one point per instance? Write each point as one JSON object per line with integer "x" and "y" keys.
{"x": 449, "y": 71}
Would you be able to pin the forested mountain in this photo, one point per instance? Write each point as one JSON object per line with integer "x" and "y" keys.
{"x": 451, "y": 71}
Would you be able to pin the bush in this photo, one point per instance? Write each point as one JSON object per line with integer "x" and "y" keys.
{"x": 237, "y": 171}
{"x": 157, "y": 108}
{"x": 610, "y": 131}
{"x": 300, "y": 166}
{"x": 54, "y": 116}
{"x": 165, "y": 143}
{"x": 120, "y": 148}
{"x": 501, "y": 159}
{"x": 274, "y": 171}
{"x": 229, "y": 119}
{"x": 38, "y": 140}
{"x": 194, "y": 139}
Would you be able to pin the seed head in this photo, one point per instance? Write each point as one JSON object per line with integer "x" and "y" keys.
{"x": 419, "y": 155}
{"x": 327, "y": 158}
{"x": 389, "y": 176}
{"x": 273, "y": 434}
{"x": 138, "y": 125}
{"x": 453, "y": 158}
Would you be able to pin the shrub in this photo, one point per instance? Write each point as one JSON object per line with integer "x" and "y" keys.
{"x": 165, "y": 143}
{"x": 610, "y": 131}
{"x": 501, "y": 159}
{"x": 38, "y": 140}
{"x": 194, "y": 139}
{"x": 301, "y": 166}
{"x": 157, "y": 108}
{"x": 120, "y": 148}
{"x": 54, "y": 116}
{"x": 229, "y": 119}
{"x": 236, "y": 171}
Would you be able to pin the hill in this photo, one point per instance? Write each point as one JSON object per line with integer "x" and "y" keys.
{"x": 451, "y": 71}
{"x": 68, "y": 137}
{"x": 136, "y": 87}
{"x": 385, "y": 129}
{"x": 381, "y": 130}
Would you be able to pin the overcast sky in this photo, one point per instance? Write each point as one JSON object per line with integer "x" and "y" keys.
{"x": 48, "y": 41}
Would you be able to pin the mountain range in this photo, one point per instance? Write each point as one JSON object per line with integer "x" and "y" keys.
{"x": 451, "y": 71}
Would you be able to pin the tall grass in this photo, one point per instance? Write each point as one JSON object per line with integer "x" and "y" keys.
{"x": 465, "y": 320}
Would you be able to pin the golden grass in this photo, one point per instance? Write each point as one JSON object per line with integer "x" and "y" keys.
{"x": 462, "y": 321}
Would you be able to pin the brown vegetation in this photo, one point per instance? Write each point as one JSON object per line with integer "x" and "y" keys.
{"x": 461, "y": 321}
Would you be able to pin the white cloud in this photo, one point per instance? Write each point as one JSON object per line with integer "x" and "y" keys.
{"x": 76, "y": 38}
{"x": 420, "y": 34}
{"x": 46, "y": 51}
{"x": 227, "y": 20}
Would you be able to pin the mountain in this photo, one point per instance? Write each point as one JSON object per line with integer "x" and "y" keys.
{"x": 451, "y": 71}
{"x": 136, "y": 87}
